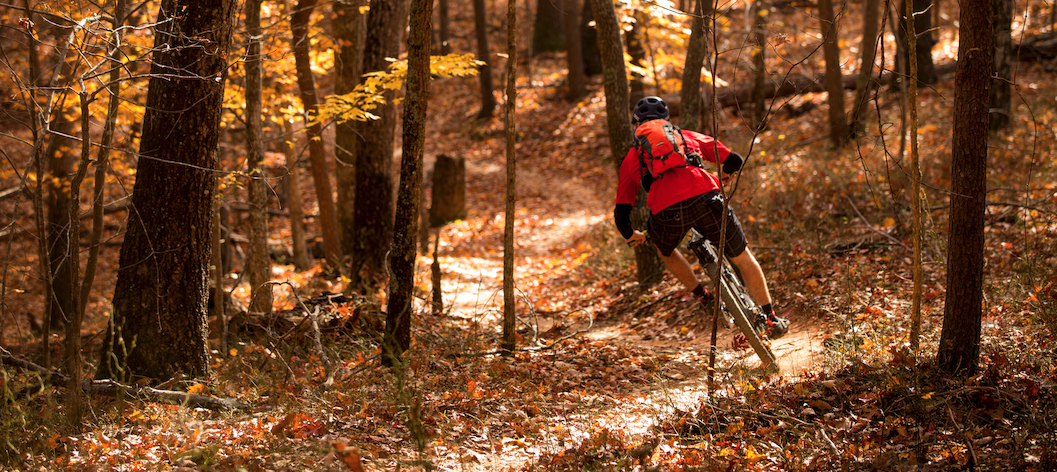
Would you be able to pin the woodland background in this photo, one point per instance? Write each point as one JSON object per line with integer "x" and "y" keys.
{"x": 270, "y": 257}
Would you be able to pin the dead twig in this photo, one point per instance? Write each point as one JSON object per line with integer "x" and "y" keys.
{"x": 973, "y": 461}
{"x": 874, "y": 228}
{"x": 110, "y": 387}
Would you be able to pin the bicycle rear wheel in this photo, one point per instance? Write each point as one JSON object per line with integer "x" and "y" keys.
{"x": 735, "y": 298}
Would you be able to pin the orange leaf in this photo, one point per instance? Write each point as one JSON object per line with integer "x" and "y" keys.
{"x": 350, "y": 456}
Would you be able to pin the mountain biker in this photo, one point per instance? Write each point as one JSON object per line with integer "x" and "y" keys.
{"x": 689, "y": 197}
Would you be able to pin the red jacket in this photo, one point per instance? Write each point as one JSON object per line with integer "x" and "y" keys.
{"x": 675, "y": 185}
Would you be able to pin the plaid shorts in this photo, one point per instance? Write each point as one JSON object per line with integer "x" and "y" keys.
{"x": 670, "y": 225}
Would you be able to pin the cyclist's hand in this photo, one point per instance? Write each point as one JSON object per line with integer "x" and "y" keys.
{"x": 725, "y": 177}
{"x": 636, "y": 239}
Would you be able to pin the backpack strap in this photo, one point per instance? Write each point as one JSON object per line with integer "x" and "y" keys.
{"x": 692, "y": 158}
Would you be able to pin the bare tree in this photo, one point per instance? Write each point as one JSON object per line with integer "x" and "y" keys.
{"x": 959, "y": 348}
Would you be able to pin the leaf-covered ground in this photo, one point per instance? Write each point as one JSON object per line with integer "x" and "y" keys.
{"x": 612, "y": 376}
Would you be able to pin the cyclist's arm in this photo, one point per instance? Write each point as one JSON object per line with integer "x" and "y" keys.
{"x": 622, "y": 218}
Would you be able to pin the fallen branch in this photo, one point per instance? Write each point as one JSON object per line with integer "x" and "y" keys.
{"x": 109, "y": 387}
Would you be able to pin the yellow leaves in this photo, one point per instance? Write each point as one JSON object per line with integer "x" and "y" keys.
{"x": 368, "y": 95}
{"x": 196, "y": 389}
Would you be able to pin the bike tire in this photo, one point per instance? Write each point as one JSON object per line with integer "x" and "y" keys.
{"x": 735, "y": 298}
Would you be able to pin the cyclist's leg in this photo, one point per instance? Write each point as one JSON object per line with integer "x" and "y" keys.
{"x": 667, "y": 228}
{"x": 680, "y": 267}
{"x": 752, "y": 273}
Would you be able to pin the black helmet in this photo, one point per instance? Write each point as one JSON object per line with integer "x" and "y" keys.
{"x": 650, "y": 108}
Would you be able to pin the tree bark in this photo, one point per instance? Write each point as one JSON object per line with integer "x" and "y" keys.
{"x": 925, "y": 41}
{"x": 548, "y": 32}
{"x": 61, "y": 161}
{"x": 618, "y": 118}
{"x": 403, "y": 252}
{"x": 1001, "y": 86}
{"x": 915, "y": 191}
{"x": 158, "y": 326}
{"x": 574, "y": 51}
{"x": 445, "y": 36}
{"x": 484, "y": 72}
{"x": 863, "y": 84}
{"x": 838, "y": 124}
{"x": 509, "y": 318}
{"x": 589, "y": 40}
{"x": 374, "y": 151}
{"x": 635, "y": 38}
{"x": 328, "y": 219}
{"x": 259, "y": 264}
{"x": 449, "y": 190}
{"x": 293, "y": 199}
{"x": 959, "y": 348}
{"x": 350, "y": 28}
{"x": 102, "y": 160}
{"x": 759, "y": 55}
{"x": 696, "y": 50}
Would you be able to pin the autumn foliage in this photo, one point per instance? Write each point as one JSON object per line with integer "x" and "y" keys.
{"x": 607, "y": 375}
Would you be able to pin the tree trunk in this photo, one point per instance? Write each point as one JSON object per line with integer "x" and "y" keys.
{"x": 574, "y": 51}
{"x": 374, "y": 150}
{"x": 328, "y": 219}
{"x": 445, "y": 36}
{"x": 403, "y": 252}
{"x": 614, "y": 80}
{"x": 618, "y": 116}
{"x": 158, "y": 326}
{"x": 1001, "y": 86}
{"x": 102, "y": 160}
{"x": 863, "y": 84}
{"x": 60, "y": 159}
{"x": 838, "y": 124}
{"x": 915, "y": 191}
{"x": 548, "y": 32}
{"x": 925, "y": 41}
{"x": 484, "y": 72}
{"x": 509, "y": 333}
{"x": 635, "y": 37}
{"x": 959, "y": 349}
{"x": 696, "y": 50}
{"x": 350, "y": 28}
{"x": 294, "y": 201}
{"x": 589, "y": 40}
{"x": 759, "y": 54}
{"x": 449, "y": 190}
{"x": 260, "y": 263}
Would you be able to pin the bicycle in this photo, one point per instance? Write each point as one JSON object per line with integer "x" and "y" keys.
{"x": 737, "y": 303}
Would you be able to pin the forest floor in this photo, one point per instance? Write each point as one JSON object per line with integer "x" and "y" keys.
{"x": 612, "y": 376}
